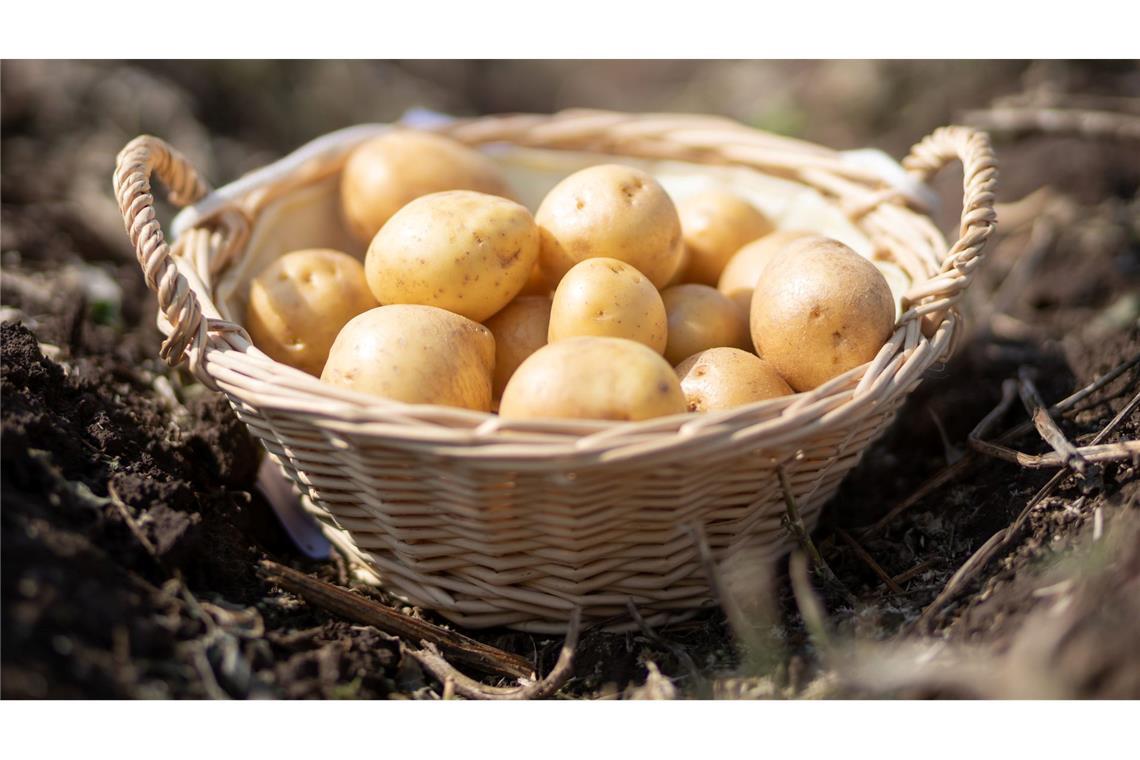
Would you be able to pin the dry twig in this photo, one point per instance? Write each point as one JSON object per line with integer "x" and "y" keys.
{"x": 1064, "y": 454}
{"x": 432, "y": 661}
{"x": 1003, "y": 538}
{"x": 914, "y": 572}
{"x": 1048, "y": 428}
{"x": 960, "y": 467}
{"x": 795, "y": 525}
{"x": 1090, "y": 124}
{"x": 1108, "y": 452}
{"x": 347, "y": 604}
{"x": 133, "y": 524}
{"x": 869, "y": 561}
{"x": 1047, "y": 489}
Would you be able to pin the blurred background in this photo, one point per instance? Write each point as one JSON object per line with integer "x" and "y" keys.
{"x": 64, "y": 121}
{"x": 88, "y": 612}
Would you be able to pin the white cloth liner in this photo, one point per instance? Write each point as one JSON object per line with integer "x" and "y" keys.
{"x": 343, "y": 139}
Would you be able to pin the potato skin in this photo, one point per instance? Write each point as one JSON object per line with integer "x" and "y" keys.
{"x": 384, "y": 174}
{"x": 520, "y": 329}
{"x": 723, "y": 378}
{"x": 593, "y": 378}
{"x": 416, "y": 354}
{"x": 459, "y": 250}
{"x": 607, "y": 297}
{"x": 610, "y": 211}
{"x": 743, "y": 270}
{"x": 716, "y": 224}
{"x": 299, "y": 303}
{"x": 819, "y": 312}
{"x": 701, "y": 317}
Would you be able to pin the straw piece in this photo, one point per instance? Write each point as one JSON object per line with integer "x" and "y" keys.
{"x": 453, "y": 680}
{"x": 362, "y": 610}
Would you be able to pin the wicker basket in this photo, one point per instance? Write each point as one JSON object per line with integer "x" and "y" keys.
{"x": 518, "y": 523}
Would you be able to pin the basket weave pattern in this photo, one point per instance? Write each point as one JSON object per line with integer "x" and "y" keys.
{"x": 500, "y": 522}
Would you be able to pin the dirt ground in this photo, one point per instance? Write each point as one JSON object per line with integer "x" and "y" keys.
{"x": 132, "y": 529}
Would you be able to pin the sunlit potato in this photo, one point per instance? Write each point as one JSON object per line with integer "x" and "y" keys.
{"x": 724, "y": 378}
{"x": 467, "y": 252}
{"x": 820, "y": 311}
{"x": 701, "y": 317}
{"x": 593, "y": 378}
{"x": 608, "y": 298}
{"x": 610, "y": 211}
{"x": 743, "y": 270}
{"x": 384, "y": 174}
{"x": 520, "y": 329}
{"x": 299, "y": 303}
{"x": 415, "y": 354}
{"x": 715, "y": 225}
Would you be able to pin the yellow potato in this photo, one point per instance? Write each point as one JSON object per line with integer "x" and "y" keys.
{"x": 723, "y": 378}
{"x": 715, "y": 225}
{"x": 463, "y": 251}
{"x": 610, "y": 211}
{"x": 387, "y": 172}
{"x": 607, "y": 297}
{"x": 701, "y": 317}
{"x": 743, "y": 270}
{"x": 520, "y": 329}
{"x": 593, "y": 378}
{"x": 820, "y": 312}
{"x": 298, "y": 304}
{"x": 416, "y": 354}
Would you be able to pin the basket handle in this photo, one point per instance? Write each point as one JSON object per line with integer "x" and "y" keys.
{"x": 932, "y": 298}
{"x": 144, "y": 157}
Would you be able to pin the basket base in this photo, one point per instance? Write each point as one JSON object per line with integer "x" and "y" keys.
{"x": 366, "y": 568}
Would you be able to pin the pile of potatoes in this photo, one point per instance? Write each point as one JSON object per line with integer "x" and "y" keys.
{"x": 609, "y": 302}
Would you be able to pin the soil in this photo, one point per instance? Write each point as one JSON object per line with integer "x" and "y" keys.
{"x": 132, "y": 528}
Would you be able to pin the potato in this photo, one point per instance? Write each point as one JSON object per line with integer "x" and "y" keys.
{"x": 716, "y": 224}
{"x": 384, "y": 174}
{"x": 743, "y": 270}
{"x": 701, "y": 317}
{"x": 520, "y": 329}
{"x": 463, "y": 251}
{"x": 723, "y": 378}
{"x": 610, "y": 211}
{"x": 416, "y": 354}
{"x": 593, "y": 378}
{"x": 298, "y": 304}
{"x": 607, "y": 297}
{"x": 820, "y": 312}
